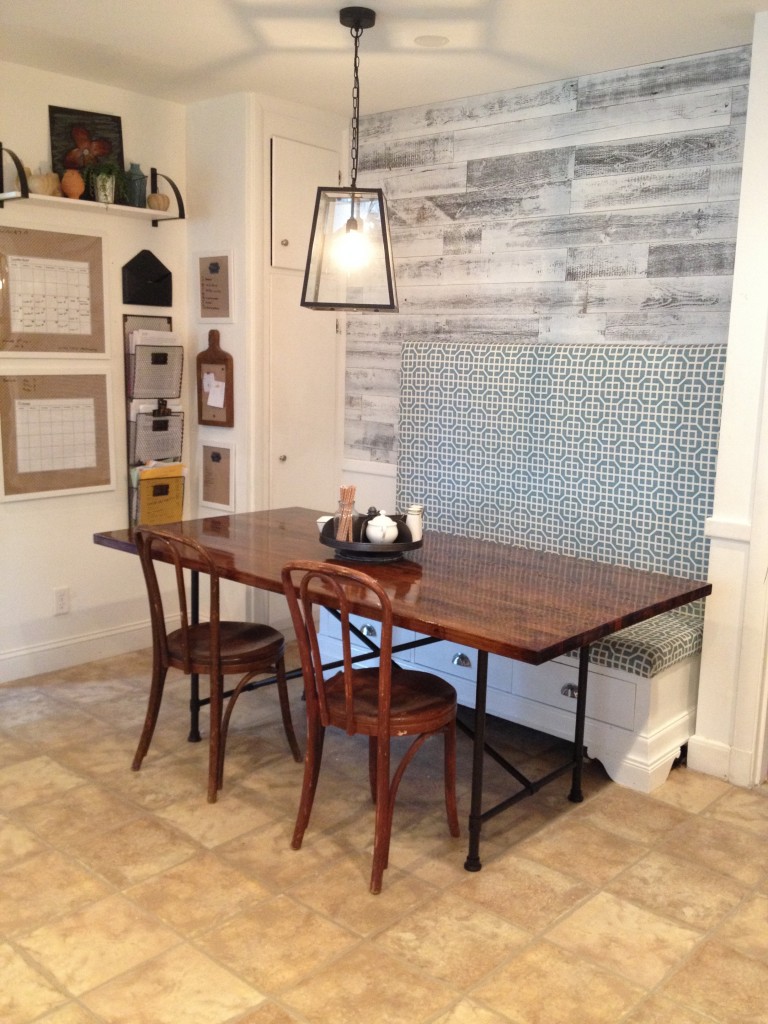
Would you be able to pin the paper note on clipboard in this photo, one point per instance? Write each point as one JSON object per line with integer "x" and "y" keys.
{"x": 215, "y": 398}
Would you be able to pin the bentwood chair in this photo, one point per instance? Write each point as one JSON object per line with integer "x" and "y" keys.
{"x": 381, "y": 702}
{"x": 213, "y": 648}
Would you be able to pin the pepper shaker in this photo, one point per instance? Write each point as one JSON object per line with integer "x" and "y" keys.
{"x": 414, "y": 519}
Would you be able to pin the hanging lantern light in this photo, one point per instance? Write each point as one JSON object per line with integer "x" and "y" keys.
{"x": 349, "y": 262}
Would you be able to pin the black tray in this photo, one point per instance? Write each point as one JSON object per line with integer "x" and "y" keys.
{"x": 364, "y": 550}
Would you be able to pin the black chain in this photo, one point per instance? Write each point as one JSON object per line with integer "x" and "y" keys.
{"x": 355, "y": 32}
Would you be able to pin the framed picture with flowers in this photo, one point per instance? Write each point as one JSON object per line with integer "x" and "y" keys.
{"x": 81, "y": 138}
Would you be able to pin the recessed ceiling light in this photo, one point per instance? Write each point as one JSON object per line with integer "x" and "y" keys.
{"x": 432, "y": 42}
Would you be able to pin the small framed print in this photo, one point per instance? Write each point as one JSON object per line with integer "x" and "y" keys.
{"x": 217, "y": 476}
{"x": 214, "y": 274}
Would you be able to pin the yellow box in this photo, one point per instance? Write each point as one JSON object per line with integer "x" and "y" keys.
{"x": 160, "y": 500}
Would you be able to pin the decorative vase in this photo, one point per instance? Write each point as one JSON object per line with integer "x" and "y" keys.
{"x": 136, "y": 186}
{"x": 72, "y": 184}
{"x": 104, "y": 188}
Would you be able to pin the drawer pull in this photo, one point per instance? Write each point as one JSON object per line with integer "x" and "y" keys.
{"x": 367, "y": 629}
{"x": 570, "y": 690}
{"x": 461, "y": 660}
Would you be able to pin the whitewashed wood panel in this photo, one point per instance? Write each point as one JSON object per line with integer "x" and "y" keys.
{"x": 463, "y": 238}
{"x": 523, "y": 265}
{"x": 490, "y": 108}
{"x": 612, "y": 295}
{"x": 420, "y": 181}
{"x": 668, "y": 326}
{"x": 628, "y": 259}
{"x": 601, "y": 124}
{"x": 520, "y": 170}
{"x": 655, "y": 188}
{"x": 376, "y": 442}
{"x": 460, "y": 327}
{"x": 538, "y": 200}
{"x": 684, "y": 74}
{"x": 382, "y": 380}
{"x": 690, "y": 259}
{"x": 739, "y": 110}
{"x": 521, "y": 299}
{"x": 725, "y": 183}
{"x": 713, "y": 220}
{"x": 416, "y": 240}
{"x": 654, "y": 153}
{"x": 421, "y": 152}
{"x": 584, "y": 329}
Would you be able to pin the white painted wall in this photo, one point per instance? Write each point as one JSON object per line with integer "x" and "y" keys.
{"x": 47, "y": 542}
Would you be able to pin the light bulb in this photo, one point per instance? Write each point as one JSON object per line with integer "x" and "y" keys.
{"x": 352, "y": 250}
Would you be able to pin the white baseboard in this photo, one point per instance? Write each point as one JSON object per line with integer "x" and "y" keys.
{"x": 58, "y": 654}
{"x": 709, "y": 756}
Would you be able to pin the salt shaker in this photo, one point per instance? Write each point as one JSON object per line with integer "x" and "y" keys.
{"x": 414, "y": 518}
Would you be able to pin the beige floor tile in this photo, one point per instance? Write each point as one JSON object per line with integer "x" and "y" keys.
{"x": 660, "y": 1010}
{"x": 16, "y": 842}
{"x": 213, "y": 824}
{"x": 162, "y": 780}
{"x": 180, "y": 985}
{"x": 267, "y": 1013}
{"x": 11, "y": 750}
{"x": 642, "y": 946}
{"x": 747, "y": 928}
{"x": 378, "y": 990}
{"x": 733, "y": 851}
{"x": 575, "y": 847}
{"x": 72, "y": 1013}
{"x": 723, "y": 983}
{"x": 547, "y": 985}
{"x": 134, "y": 851}
{"x": 689, "y": 790}
{"x": 55, "y": 729}
{"x": 39, "y": 778}
{"x": 342, "y": 893}
{"x": 97, "y": 943}
{"x": 45, "y": 887}
{"x": 78, "y": 816}
{"x": 25, "y": 994}
{"x": 452, "y": 940}
{"x": 745, "y": 808}
{"x": 276, "y": 943}
{"x": 466, "y": 1011}
{"x": 530, "y": 895}
{"x": 202, "y": 892}
{"x": 634, "y": 816}
{"x": 690, "y": 893}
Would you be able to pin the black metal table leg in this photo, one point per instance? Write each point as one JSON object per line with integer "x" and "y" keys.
{"x": 472, "y": 863}
{"x": 576, "y": 795}
{"x": 194, "y": 679}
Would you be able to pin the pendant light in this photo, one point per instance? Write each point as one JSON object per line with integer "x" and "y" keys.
{"x": 349, "y": 262}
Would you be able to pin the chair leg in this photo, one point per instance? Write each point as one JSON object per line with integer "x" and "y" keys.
{"x": 312, "y": 760}
{"x": 450, "y": 778}
{"x": 383, "y": 826}
{"x": 159, "y": 673}
{"x": 372, "y": 755}
{"x": 285, "y": 710}
{"x": 215, "y": 747}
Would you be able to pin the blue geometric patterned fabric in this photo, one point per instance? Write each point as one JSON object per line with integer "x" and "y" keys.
{"x": 599, "y": 451}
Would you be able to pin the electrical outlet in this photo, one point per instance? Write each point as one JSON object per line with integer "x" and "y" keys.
{"x": 60, "y": 600}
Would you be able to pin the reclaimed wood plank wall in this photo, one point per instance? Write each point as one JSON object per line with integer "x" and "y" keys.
{"x": 601, "y": 208}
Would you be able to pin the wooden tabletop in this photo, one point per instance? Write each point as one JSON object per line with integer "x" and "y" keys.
{"x": 519, "y": 603}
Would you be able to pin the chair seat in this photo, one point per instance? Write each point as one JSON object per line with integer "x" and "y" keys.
{"x": 421, "y": 702}
{"x": 242, "y": 644}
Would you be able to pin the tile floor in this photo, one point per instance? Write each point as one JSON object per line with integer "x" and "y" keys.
{"x": 126, "y": 898}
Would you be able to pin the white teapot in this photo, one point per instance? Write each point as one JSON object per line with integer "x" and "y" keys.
{"x": 381, "y": 529}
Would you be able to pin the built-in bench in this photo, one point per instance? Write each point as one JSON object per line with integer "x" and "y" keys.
{"x": 598, "y": 451}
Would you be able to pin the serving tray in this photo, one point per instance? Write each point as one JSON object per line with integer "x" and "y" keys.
{"x": 364, "y": 550}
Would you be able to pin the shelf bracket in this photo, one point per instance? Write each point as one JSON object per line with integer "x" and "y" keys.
{"x": 154, "y": 174}
{"x": 23, "y": 183}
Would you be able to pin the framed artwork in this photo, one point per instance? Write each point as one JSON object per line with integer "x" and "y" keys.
{"x": 215, "y": 287}
{"x": 55, "y": 434}
{"x": 51, "y": 293}
{"x": 217, "y": 476}
{"x": 81, "y": 137}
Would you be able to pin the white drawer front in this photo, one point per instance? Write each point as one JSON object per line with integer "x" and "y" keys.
{"x": 330, "y": 651}
{"x": 448, "y": 659}
{"x": 331, "y": 627}
{"x": 608, "y": 700}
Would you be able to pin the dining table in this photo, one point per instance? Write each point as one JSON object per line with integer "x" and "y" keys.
{"x": 517, "y": 602}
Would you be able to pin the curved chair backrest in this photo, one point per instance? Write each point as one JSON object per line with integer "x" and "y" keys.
{"x": 350, "y": 591}
{"x": 182, "y": 553}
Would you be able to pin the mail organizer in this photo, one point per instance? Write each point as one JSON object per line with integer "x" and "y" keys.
{"x": 155, "y": 371}
{"x": 155, "y": 434}
{"x": 157, "y": 494}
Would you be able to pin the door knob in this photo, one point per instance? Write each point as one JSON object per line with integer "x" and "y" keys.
{"x": 283, "y": 458}
{"x": 283, "y": 241}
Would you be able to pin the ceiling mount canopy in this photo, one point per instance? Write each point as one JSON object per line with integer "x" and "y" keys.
{"x": 349, "y": 262}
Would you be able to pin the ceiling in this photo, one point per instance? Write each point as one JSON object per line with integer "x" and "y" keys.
{"x": 297, "y": 50}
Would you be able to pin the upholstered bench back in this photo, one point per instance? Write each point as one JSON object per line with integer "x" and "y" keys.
{"x": 597, "y": 451}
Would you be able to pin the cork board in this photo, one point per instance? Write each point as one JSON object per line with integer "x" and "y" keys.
{"x": 51, "y": 293}
{"x": 55, "y": 434}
